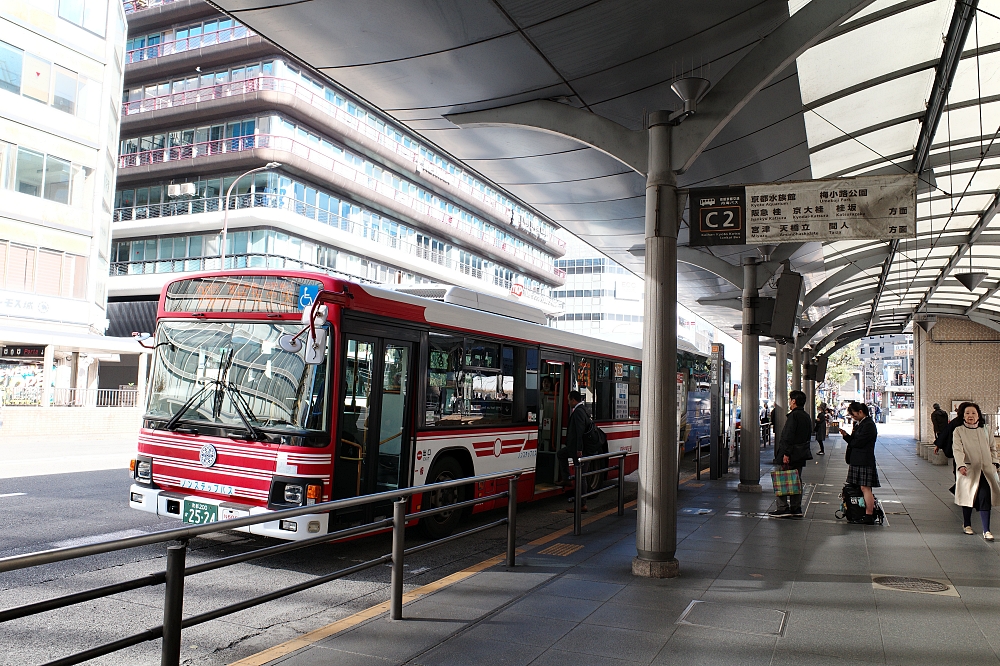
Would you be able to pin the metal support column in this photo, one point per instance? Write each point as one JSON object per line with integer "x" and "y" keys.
{"x": 173, "y": 606}
{"x": 750, "y": 402}
{"x": 780, "y": 387}
{"x": 656, "y": 525}
{"x": 796, "y": 367}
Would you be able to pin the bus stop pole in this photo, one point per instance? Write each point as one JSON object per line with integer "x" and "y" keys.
{"x": 656, "y": 504}
{"x": 750, "y": 398}
{"x": 398, "y": 543}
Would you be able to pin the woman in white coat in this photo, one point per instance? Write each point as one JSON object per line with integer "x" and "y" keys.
{"x": 977, "y": 485}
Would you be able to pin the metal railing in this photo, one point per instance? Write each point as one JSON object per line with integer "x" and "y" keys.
{"x": 176, "y": 571}
{"x": 358, "y": 228}
{"x": 582, "y": 463}
{"x": 320, "y": 102}
{"x": 328, "y": 162}
{"x": 191, "y": 43}
{"x": 132, "y": 6}
{"x": 82, "y": 397}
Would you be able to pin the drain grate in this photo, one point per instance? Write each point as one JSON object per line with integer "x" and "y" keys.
{"x": 735, "y": 618}
{"x": 907, "y": 584}
{"x": 561, "y": 549}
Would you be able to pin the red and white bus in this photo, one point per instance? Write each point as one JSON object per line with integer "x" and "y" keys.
{"x": 250, "y": 410}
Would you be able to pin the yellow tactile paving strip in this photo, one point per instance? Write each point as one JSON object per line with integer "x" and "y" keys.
{"x": 350, "y": 621}
{"x": 561, "y": 549}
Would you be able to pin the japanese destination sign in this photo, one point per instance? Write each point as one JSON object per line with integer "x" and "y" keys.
{"x": 861, "y": 208}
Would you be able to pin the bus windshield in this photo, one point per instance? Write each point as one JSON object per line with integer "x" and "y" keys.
{"x": 235, "y": 375}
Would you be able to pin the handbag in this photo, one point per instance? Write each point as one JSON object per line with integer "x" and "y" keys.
{"x": 786, "y": 482}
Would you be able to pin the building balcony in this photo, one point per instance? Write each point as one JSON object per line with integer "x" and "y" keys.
{"x": 144, "y": 14}
{"x": 300, "y": 219}
{"x": 303, "y": 103}
{"x": 181, "y": 56}
{"x": 302, "y": 159}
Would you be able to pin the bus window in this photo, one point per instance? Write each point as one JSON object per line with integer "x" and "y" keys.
{"x": 605, "y": 391}
{"x": 634, "y": 385}
{"x": 584, "y": 371}
{"x": 470, "y": 382}
{"x": 530, "y": 384}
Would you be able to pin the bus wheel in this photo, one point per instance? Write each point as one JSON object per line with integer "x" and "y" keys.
{"x": 594, "y": 482}
{"x": 442, "y": 524}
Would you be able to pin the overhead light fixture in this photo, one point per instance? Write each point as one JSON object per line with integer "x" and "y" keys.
{"x": 691, "y": 90}
{"x": 766, "y": 251}
{"x": 972, "y": 279}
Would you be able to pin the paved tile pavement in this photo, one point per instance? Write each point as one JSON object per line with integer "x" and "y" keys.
{"x": 752, "y": 590}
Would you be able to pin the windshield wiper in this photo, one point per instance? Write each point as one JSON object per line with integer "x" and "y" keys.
{"x": 176, "y": 418}
{"x": 243, "y": 410}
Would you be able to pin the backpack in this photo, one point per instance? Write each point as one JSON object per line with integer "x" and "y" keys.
{"x": 852, "y": 506}
{"x": 595, "y": 441}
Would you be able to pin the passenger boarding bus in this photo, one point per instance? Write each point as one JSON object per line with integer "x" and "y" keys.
{"x": 272, "y": 390}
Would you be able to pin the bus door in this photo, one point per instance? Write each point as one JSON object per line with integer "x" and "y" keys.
{"x": 375, "y": 433}
{"x": 553, "y": 385}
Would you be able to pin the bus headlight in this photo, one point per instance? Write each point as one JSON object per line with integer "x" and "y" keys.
{"x": 294, "y": 494}
{"x": 144, "y": 469}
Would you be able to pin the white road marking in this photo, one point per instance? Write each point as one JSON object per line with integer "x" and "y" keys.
{"x": 12, "y": 494}
{"x": 97, "y": 538}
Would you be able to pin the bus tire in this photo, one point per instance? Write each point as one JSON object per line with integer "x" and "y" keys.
{"x": 443, "y": 524}
{"x": 592, "y": 483}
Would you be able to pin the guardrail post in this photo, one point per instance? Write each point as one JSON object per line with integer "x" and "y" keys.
{"x": 697, "y": 459}
{"x": 173, "y": 606}
{"x": 577, "y": 492}
{"x": 621, "y": 485}
{"x": 398, "y": 537}
{"x": 511, "y": 520}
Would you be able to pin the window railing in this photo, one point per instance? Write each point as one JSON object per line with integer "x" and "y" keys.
{"x": 319, "y": 102}
{"x": 132, "y": 6}
{"x": 327, "y": 162}
{"x": 356, "y": 228}
{"x": 187, "y": 43}
{"x": 72, "y": 397}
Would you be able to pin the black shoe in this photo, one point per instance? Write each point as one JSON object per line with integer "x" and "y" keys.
{"x": 869, "y": 519}
{"x": 796, "y": 513}
{"x": 780, "y": 513}
{"x": 822, "y": 453}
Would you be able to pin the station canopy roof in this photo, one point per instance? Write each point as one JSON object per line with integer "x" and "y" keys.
{"x": 880, "y": 91}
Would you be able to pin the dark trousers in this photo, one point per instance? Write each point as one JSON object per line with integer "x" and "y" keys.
{"x": 563, "y": 455}
{"x": 793, "y": 502}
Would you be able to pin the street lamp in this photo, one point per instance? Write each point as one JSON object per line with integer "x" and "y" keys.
{"x": 225, "y": 216}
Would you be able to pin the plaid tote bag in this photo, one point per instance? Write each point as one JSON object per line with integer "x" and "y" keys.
{"x": 786, "y": 482}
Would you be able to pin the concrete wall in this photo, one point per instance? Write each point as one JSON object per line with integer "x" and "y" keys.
{"x": 957, "y": 360}
{"x": 25, "y": 425}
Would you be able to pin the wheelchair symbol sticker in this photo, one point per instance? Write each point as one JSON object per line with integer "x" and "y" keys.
{"x": 307, "y": 295}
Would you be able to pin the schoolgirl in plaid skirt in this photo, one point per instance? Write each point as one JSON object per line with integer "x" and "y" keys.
{"x": 861, "y": 455}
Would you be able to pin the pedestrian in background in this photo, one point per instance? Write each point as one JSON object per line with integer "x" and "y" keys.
{"x": 792, "y": 449}
{"x": 939, "y": 419}
{"x": 820, "y": 428}
{"x": 861, "y": 469}
{"x": 976, "y": 483}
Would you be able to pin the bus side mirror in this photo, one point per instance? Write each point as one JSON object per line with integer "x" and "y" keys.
{"x": 290, "y": 343}
{"x": 316, "y": 347}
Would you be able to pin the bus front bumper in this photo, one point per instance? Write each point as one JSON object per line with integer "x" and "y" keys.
{"x": 171, "y": 504}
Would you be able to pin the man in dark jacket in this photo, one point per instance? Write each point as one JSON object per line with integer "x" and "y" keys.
{"x": 793, "y": 451}
{"x": 939, "y": 419}
{"x": 578, "y": 425}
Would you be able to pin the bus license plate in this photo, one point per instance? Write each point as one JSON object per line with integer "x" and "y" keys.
{"x": 200, "y": 513}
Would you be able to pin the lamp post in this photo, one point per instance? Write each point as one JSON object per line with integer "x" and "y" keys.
{"x": 225, "y": 215}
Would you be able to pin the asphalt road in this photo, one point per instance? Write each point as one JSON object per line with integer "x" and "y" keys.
{"x": 42, "y": 512}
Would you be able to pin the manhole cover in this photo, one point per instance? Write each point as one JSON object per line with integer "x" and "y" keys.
{"x": 911, "y": 584}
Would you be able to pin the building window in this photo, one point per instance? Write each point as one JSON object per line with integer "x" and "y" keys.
{"x": 36, "y": 79}
{"x": 11, "y": 62}
{"x": 47, "y": 176}
{"x": 90, "y": 15}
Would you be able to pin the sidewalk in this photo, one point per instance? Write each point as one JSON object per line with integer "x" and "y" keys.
{"x": 752, "y": 590}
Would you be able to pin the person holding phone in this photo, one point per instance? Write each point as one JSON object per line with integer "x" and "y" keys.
{"x": 861, "y": 469}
